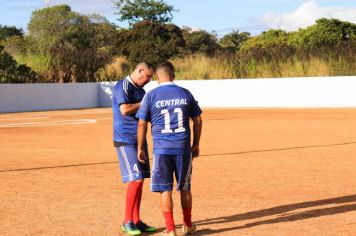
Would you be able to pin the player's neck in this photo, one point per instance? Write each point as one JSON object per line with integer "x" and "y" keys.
{"x": 133, "y": 80}
{"x": 165, "y": 81}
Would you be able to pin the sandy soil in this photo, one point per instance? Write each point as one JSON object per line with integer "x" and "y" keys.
{"x": 261, "y": 172}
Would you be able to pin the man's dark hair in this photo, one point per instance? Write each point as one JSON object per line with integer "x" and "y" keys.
{"x": 147, "y": 64}
{"x": 150, "y": 66}
{"x": 167, "y": 67}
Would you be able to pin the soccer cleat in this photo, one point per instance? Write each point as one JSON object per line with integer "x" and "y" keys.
{"x": 130, "y": 228}
{"x": 188, "y": 230}
{"x": 171, "y": 233}
{"x": 144, "y": 227}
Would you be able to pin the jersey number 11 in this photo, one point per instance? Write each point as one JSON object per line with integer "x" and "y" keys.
{"x": 167, "y": 121}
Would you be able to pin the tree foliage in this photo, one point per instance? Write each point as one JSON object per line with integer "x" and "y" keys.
{"x": 77, "y": 45}
{"x": 326, "y": 37}
{"x": 326, "y": 32}
{"x": 11, "y": 72}
{"x": 65, "y": 46}
{"x": 200, "y": 42}
{"x": 9, "y": 31}
{"x": 48, "y": 26}
{"x": 150, "y": 41}
{"x": 13, "y": 39}
{"x": 270, "y": 45}
{"x": 234, "y": 40}
{"x": 134, "y": 11}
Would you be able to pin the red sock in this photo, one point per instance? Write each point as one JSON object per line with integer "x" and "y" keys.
{"x": 187, "y": 217}
{"x": 168, "y": 217}
{"x": 131, "y": 194}
{"x": 136, "y": 210}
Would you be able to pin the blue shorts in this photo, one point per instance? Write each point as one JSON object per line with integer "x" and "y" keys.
{"x": 131, "y": 168}
{"x": 164, "y": 166}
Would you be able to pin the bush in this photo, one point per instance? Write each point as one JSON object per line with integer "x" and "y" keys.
{"x": 11, "y": 72}
{"x": 150, "y": 41}
{"x": 200, "y": 42}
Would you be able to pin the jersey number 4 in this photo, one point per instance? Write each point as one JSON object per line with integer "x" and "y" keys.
{"x": 167, "y": 121}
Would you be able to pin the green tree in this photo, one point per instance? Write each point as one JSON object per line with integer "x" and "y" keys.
{"x": 48, "y": 26}
{"x": 200, "y": 42}
{"x": 77, "y": 45}
{"x": 326, "y": 32}
{"x": 270, "y": 45}
{"x": 150, "y": 41}
{"x": 9, "y": 31}
{"x": 134, "y": 11}
{"x": 13, "y": 39}
{"x": 234, "y": 40}
{"x": 15, "y": 45}
{"x": 11, "y": 72}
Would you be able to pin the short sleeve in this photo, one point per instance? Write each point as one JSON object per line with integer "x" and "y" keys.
{"x": 195, "y": 109}
{"x": 121, "y": 93}
{"x": 144, "y": 112}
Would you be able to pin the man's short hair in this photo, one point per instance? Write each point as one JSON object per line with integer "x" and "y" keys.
{"x": 168, "y": 68}
{"x": 146, "y": 64}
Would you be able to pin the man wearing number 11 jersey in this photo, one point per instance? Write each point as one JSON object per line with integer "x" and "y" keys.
{"x": 169, "y": 109}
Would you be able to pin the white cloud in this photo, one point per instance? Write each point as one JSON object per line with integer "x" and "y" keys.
{"x": 306, "y": 15}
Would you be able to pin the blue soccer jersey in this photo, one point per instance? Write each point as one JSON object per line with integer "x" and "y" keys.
{"x": 125, "y": 127}
{"x": 169, "y": 108}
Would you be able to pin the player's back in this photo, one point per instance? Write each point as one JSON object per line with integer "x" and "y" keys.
{"x": 171, "y": 107}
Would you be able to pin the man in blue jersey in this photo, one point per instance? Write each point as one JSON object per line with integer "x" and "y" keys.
{"x": 169, "y": 109}
{"x": 127, "y": 96}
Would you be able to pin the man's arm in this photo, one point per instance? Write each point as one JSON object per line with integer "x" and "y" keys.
{"x": 197, "y": 128}
{"x": 141, "y": 140}
{"x": 127, "y": 109}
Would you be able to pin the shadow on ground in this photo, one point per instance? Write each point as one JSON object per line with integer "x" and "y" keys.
{"x": 282, "y": 213}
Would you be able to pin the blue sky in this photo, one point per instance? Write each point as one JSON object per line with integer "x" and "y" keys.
{"x": 221, "y": 16}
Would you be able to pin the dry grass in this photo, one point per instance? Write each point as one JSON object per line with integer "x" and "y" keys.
{"x": 113, "y": 71}
{"x": 197, "y": 67}
{"x": 201, "y": 67}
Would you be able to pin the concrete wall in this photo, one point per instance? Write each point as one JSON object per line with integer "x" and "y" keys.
{"x": 275, "y": 93}
{"x": 105, "y": 93}
{"x": 313, "y": 92}
{"x": 331, "y": 92}
{"x": 39, "y": 97}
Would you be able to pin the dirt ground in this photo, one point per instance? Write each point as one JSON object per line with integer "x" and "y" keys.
{"x": 261, "y": 172}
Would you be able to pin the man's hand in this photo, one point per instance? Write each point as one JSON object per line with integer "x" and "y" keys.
{"x": 141, "y": 141}
{"x": 141, "y": 156}
{"x": 195, "y": 151}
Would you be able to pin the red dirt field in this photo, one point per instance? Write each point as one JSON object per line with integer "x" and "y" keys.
{"x": 261, "y": 172}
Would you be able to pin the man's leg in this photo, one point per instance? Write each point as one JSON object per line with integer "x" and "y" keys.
{"x": 167, "y": 210}
{"x": 132, "y": 195}
{"x": 183, "y": 173}
{"x": 143, "y": 227}
{"x": 136, "y": 211}
{"x": 186, "y": 202}
{"x": 133, "y": 172}
{"x": 162, "y": 182}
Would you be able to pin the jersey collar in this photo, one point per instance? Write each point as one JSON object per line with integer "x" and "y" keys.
{"x": 166, "y": 83}
{"x": 130, "y": 80}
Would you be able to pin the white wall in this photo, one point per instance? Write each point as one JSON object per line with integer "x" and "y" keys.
{"x": 331, "y": 92}
{"x": 310, "y": 92}
{"x": 275, "y": 93}
{"x": 105, "y": 93}
{"x": 39, "y": 97}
